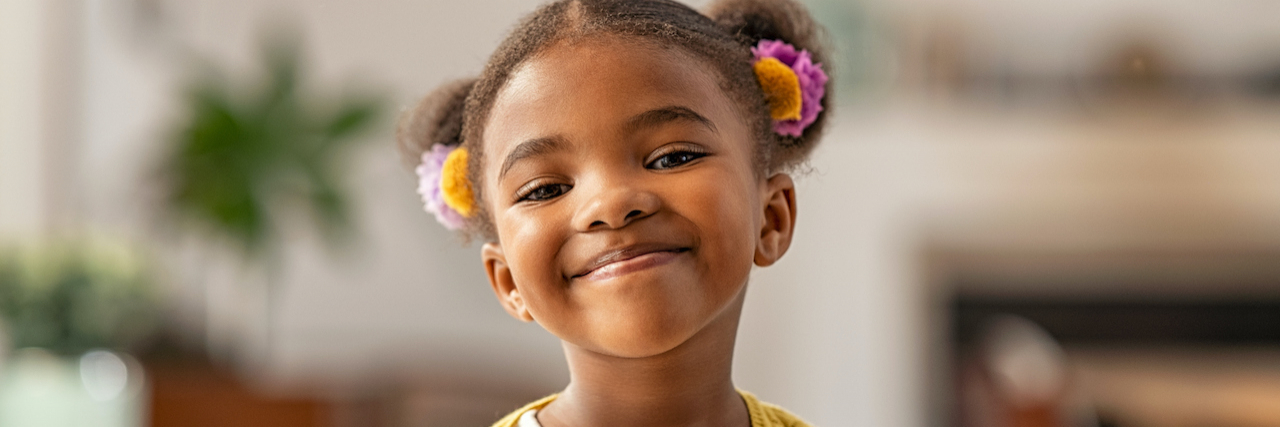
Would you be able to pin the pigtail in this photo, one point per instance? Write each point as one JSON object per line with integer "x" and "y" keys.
{"x": 430, "y": 138}
{"x": 437, "y": 119}
{"x": 754, "y": 20}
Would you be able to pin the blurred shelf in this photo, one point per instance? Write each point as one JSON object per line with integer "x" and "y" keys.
{"x": 200, "y": 395}
{"x": 1182, "y": 387}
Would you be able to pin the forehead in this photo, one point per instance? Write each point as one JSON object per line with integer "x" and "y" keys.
{"x": 591, "y": 88}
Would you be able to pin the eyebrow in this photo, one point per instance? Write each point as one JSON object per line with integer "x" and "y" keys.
{"x": 665, "y": 115}
{"x": 652, "y": 118}
{"x": 531, "y": 148}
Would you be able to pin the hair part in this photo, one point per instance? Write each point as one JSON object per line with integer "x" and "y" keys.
{"x": 457, "y": 113}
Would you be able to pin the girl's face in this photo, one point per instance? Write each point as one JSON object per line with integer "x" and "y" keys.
{"x": 621, "y": 183}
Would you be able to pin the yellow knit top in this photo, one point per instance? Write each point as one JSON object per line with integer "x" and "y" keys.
{"x": 762, "y": 414}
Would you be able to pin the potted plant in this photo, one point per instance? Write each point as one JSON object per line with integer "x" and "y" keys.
{"x": 71, "y": 311}
{"x": 250, "y": 155}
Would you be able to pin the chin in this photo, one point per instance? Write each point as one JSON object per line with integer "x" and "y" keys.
{"x": 638, "y": 349}
{"x": 647, "y": 340}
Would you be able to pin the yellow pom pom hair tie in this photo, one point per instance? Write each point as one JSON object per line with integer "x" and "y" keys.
{"x": 443, "y": 184}
{"x": 793, "y": 84}
{"x": 454, "y": 186}
{"x": 781, "y": 88}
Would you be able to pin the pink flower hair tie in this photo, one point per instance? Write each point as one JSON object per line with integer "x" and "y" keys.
{"x": 792, "y": 83}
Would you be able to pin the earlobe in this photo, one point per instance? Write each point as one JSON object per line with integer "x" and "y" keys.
{"x": 779, "y": 219}
{"x": 504, "y": 285}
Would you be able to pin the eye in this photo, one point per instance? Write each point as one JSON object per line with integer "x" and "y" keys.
{"x": 537, "y": 192}
{"x": 675, "y": 159}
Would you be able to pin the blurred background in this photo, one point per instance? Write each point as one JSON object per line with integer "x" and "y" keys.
{"x": 1026, "y": 213}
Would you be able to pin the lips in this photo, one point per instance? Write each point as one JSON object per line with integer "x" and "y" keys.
{"x": 618, "y": 261}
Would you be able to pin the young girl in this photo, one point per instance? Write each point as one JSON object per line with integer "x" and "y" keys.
{"x": 625, "y": 163}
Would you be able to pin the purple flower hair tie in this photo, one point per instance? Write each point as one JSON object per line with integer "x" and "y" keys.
{"x": 429, "y": 174}
{"x": 809, "y": 76}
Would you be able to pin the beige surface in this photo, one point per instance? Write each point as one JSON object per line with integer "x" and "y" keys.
{"x": 1184, "y": 388}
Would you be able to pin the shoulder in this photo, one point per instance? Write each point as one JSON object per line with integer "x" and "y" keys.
{"x": 513, "y": 419}
{"x": 764, "y": 414}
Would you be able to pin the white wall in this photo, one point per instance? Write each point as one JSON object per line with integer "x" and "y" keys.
{"x": 21, "y": 202}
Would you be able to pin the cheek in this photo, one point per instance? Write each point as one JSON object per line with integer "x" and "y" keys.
{"x": 530, "y": 240}
{"x": 723, "y": 207}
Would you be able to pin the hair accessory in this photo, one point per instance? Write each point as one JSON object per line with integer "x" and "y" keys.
{"x": 454, "y": 185}
{"x": 781, "y": 88}
{"x": 442, "y": 182}
{"x": 792, "y": 83}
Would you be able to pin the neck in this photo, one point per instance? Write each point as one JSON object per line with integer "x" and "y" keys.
{"x": 689, "y": 385}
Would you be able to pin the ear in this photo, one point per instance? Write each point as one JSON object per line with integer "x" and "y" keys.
{"x": 779, "y": 219}
{"x": 504, "y": 286}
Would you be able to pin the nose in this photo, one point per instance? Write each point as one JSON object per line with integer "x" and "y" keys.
{"x": 615, "y": 206}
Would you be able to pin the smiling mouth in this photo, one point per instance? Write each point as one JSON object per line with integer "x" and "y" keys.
{"x": 618, "y": 263}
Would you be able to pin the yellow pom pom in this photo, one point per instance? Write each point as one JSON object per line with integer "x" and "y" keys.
{"x": 454, "y": 185}
{"x": 781, "y": 88}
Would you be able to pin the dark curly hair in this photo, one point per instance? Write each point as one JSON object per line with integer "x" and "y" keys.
{"x": 456, "y": 113}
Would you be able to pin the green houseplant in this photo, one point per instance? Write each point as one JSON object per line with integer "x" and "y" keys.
{"x": 254, "y": 155}
{"x": 71, "y": 297}
{"x": 72, "y": 309}
{"x": 248, "y": 156}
